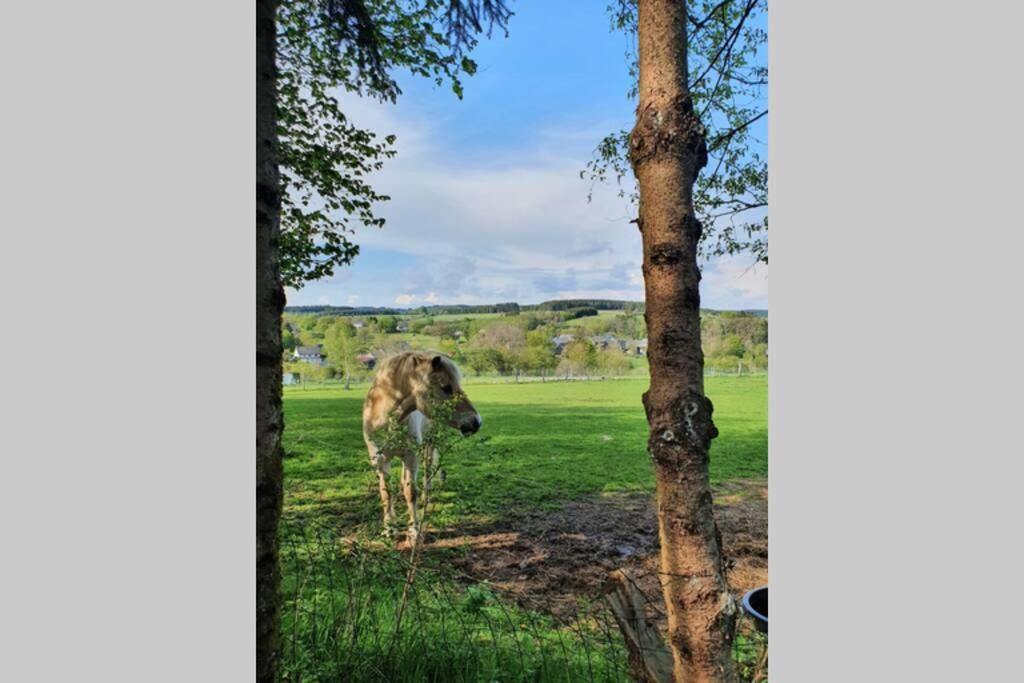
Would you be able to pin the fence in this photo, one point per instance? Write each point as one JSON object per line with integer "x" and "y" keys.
{"x": 341, "y": 601}
{"x": 492, "y": 378}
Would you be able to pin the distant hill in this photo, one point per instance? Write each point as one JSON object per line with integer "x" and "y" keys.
{"x": 442, "y": 309}
{"x": 599, "y": 304}
{"x": 507, "y": 307}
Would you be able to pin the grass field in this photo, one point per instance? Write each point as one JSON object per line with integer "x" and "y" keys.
{"x": 463, "y": 316}
{"x": 541, "y": 446}
{"x": 575, "y": 322}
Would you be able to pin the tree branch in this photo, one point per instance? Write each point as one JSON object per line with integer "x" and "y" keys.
{"x": 698, "y": 25}
{"x": 728, "y": 135}
{"x": 728, "y": 43}
{"x": 745, "y": 207}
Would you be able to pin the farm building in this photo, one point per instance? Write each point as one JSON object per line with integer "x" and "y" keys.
{"x": 636, "y": 347}
{"x": 310, "y": 354}
{"x": 367, "y": 360}
{"x": 608, "y": 341}
{"x": 561, "y": 340}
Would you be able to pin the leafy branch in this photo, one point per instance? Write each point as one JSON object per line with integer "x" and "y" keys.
{"x": 327, "y": 47}
{"x": 725, "y": 49}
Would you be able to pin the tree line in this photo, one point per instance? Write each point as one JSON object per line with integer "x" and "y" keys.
{"x": 513, "y": 345}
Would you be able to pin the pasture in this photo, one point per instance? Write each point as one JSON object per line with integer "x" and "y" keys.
{"x": 553, "y": 490}
{"x": 542, "y": 444}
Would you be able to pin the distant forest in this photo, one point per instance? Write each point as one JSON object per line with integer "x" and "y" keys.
{"x": 508, "y": 307}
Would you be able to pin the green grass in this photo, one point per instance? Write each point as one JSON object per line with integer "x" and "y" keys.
{"x": 541, "y": 445}
{"x": 463, "y": 316}
{"x": 417, "y": 341}
{"x": 575, "y": 322}
{"x": 341, "y": 606}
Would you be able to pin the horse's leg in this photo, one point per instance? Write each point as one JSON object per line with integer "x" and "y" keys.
{"x": 409, "y": 489}
{"x": 383, "y": 467}
{"x": 434, "y": 458}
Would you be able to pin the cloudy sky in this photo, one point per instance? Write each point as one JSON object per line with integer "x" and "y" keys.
{"x": 487, "y": 201}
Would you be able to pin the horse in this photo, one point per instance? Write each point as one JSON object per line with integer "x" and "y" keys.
{"x": 405, "y": 385}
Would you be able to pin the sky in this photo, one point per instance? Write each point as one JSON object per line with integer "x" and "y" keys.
{"x": 487, "y": 200}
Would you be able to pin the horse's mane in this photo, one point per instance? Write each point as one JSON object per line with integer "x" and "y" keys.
{"x": 390, "y": 365}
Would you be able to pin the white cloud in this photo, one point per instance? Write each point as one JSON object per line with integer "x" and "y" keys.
{"x": 736, "y": 281}
{"x": 352, "y": 300}
{"x": 518, "y": 223}
{"x": 514, "y": 226}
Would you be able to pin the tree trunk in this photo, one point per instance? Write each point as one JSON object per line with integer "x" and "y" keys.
{"x": 667, "y": 150}
{"x": 269, "y": 303}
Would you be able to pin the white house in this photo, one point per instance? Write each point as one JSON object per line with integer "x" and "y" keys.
{"x": 310, "y": 354}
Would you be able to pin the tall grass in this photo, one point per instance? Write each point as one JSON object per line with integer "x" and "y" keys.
{"x": 340, "y": 603}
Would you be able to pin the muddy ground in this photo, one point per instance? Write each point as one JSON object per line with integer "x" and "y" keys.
{"x": 550, "y": 560}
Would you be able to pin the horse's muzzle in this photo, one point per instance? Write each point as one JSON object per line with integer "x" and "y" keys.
{"x": 471, "y": 427}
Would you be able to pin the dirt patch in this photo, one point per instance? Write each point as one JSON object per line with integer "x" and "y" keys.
{"x": 553, "y": 559}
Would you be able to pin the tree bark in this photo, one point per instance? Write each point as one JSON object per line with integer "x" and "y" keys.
{"x": 269, "y": 304}
{"x": 667, "y": 151}
{"x": 650, "y": 660}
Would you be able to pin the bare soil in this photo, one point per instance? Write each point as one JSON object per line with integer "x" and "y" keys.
{"x": 550, "y": 560}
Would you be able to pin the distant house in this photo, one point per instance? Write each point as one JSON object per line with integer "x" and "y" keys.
{"x": 310, "y": 354}
{"x": 636, "y": 347}
{"x": 367, "y": 360}
{"x": 608, "y": 341}
{"x": 561, "y": 340}
{"x": 358, "y": 324}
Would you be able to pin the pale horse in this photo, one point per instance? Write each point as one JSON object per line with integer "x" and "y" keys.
{"x": 405, "y": 385}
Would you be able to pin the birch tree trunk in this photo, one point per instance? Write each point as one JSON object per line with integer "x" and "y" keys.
{"x": 667, "y": 150}
{"x": 269, "y": 303}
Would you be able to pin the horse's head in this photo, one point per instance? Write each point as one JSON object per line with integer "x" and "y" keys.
{"x": 444, "y": 383}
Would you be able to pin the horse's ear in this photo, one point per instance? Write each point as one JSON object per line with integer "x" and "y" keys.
{"x": 437, "y": 363}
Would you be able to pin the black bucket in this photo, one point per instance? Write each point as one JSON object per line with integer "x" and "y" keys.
{"x": 755, "y": 603}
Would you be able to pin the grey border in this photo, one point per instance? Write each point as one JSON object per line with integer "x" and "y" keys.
{"x": 128, "y": 252}
{"x": 895, "y": 144}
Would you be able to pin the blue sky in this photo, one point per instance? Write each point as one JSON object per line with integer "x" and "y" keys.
{"x": 487, "y": 203}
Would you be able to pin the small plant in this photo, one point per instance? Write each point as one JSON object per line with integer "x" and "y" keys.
{"x": 439, "y": 434}
{"x": 440, "y": 437}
